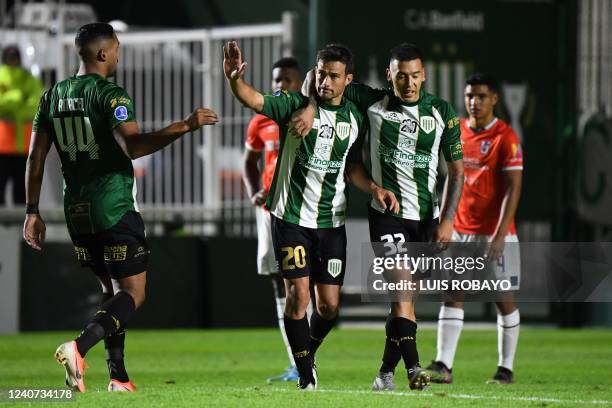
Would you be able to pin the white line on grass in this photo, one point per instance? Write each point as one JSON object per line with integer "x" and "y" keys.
{"x": 458, "y": 396}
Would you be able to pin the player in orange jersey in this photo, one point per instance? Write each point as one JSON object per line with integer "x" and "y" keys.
{"x": 263, "y": 136}
{"x": 493, "y": 161}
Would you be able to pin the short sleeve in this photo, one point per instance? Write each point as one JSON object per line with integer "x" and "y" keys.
{"x": 41, "y": 118}
{"x": 450, "y": 142}
{"x": 118, "y": 107}
{"x": 512, "y": 152}
{"x": 280, "y": 106}
{"x": 362, "y": 95}
{"x": 253, "y": 141}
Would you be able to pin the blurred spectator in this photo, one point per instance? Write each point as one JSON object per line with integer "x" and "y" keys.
{"x": 19, "y": 96}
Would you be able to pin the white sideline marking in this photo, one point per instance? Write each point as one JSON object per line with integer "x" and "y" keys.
{"x": 419, "y": 394}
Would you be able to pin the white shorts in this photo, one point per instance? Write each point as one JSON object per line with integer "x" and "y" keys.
{"x": 266, "y": 261}
{"x": 508, "y": 266}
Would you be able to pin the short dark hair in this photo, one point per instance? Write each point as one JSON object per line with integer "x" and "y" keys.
{"x": 405, "y": 52}
{"x": 337, "y": 52}
{"x": 11, "y": 52}
{"x": 287, "y": 62}
{"x": 483, "y": 78}
{"x": 92, "y": 32}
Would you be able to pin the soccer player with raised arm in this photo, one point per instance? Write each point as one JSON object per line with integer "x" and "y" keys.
{"x": 263, "y": 137}
{"x": 306, "y": 200}
{"x": 91, "y": 123}
{"x": 408, "y": 129}
{"x": 493, "y": 159}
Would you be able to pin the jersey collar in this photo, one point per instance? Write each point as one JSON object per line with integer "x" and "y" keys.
{"x": 486, "y": 127}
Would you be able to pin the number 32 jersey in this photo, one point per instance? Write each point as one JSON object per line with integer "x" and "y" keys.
{"x": 79, "y": 114}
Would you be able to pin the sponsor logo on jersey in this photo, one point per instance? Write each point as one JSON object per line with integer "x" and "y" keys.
{"x": 456, "y": 151}
{"x": 428, "y": 123}
{"x": 121, "y": 112}
{"x": 343, "y": 130}
{"x": 122, "y": 100}
{"x": 392, "y": 116}
{"x": 485, "y": 145}
{"x": 401, "y": 158}
{"x": 406, "y": 143}
{"x": 316, "y": 163}
{"x": 334, "y": 267}
{"x": 453, "y": 122}
{"x": 517, "y": 152}
{"x": 323, "y": 150}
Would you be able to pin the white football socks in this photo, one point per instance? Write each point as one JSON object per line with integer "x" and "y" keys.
{"x": 450, "y": 324}
{"x": 507, "y": 338}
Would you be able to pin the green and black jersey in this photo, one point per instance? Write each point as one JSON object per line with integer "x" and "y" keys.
{"x": 80, "y": 114}
{"x": 404, "y": 144}
{"x": 308, "y": 186}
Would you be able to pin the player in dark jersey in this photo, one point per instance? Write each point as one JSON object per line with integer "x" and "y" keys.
{"x": 91, "y": 123}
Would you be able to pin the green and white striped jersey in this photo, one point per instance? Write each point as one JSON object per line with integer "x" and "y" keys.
{"x": 308, "y": 186}
{"x": 404, "y": 144}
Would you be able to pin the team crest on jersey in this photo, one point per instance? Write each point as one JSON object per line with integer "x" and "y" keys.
{"x": 334, "y": 267}
{"x": 343, "y": 130}
{"x": 485, "y": 145}
{"x": 121, "y": 112}
{"x": 428, "y": 123}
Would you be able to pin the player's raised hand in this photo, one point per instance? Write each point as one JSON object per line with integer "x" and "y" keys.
{"x": 233, "y": 66}
{"x": 34, "y": 231}
{"x": 201, "y": 117}
{"x": 386, "y": 199}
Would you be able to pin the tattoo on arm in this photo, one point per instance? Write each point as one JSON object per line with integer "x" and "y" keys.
{"x": 454, "y": 187}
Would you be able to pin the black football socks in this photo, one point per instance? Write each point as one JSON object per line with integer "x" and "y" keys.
{"x": 113, "y": 315}
{"x": 319, "y": 329}
{"x": 391, "y": 355}
{"x": 299, "y": 339}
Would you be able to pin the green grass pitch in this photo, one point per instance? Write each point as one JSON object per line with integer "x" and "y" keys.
{"x": 228, "y": 368}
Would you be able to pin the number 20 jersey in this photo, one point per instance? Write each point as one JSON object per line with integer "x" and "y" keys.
{"x": 79, "y": 114}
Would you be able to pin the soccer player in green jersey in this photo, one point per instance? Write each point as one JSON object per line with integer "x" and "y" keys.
{"x": 408, "y": 128}
{"x": 91, "y": 123}
{"x": 306, "y": 200}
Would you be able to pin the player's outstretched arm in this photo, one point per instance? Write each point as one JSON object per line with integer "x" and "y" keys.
{"x": 358, "y": 176}
{"x": 135, "y": 144}
{"x": 234, "y": 69}
{"x": 450, "y": 200}
{"x": 34, "y": 226}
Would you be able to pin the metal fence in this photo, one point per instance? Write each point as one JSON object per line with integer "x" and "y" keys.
{"x": 169, "y": 73}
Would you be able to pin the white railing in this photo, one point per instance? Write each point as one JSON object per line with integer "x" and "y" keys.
{"x": 168, "y": 74}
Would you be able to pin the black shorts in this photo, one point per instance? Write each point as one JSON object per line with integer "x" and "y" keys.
{"x": 120, "y": 251}
{"x": 319, "y": 253}
{"x": 386, "y": 228}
